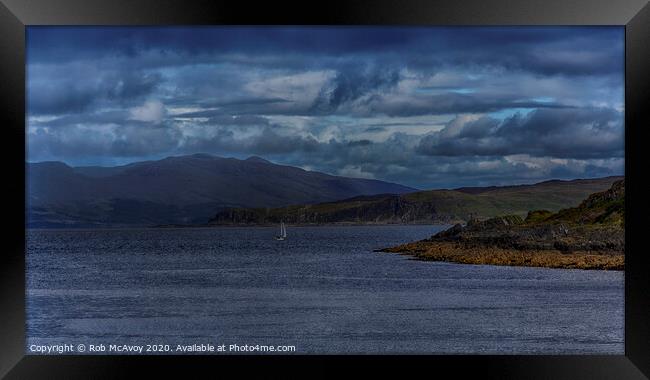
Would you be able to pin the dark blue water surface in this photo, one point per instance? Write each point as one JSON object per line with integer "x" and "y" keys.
{"x": 323, "y": 290}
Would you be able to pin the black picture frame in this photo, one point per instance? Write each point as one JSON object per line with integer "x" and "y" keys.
{"x": 16, "y": 14}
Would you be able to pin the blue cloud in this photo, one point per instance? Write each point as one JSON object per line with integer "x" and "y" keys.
{"x": 423, "y": 106}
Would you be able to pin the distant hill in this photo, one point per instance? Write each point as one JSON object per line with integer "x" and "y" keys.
{"x": 185, "y": 189}
{"x": 434, "y": 206}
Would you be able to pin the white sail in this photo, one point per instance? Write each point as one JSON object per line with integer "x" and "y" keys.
{"x": 283, "y": 232}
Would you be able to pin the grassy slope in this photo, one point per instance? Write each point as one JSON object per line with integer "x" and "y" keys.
{"x": 431, "y": 206}
{"x": 551, "y": 195}
{"x": 600, "y": 209}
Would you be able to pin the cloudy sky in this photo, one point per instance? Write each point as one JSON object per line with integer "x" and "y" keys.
{"x": 425, "y": 107}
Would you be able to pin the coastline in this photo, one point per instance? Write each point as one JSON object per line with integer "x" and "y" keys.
{"x": 588, "y": 236}
{"x": 455, "y": 253}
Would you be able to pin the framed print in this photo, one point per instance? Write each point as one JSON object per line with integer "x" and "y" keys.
{"x": 450, "y": 185}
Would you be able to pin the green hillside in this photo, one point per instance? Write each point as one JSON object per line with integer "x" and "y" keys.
{"x": 434, "y": 206}
{"x": 600, "y": 209}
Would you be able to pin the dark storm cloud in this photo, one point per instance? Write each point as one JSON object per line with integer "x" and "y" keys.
{"x": 450, "y": 103}
{"x": 127, "y": 140}
{"x": 128, "y": 52}
{"x": 351, "y": 84}
{"x": 581, "y": 133}
{"x": 267, "y": 142}
{"x": 375, "y": 129}
{"x": 542, "y": 50}
{"x": 238, "y": 106}
{"x": 239, "y": 120}
{"x": 52, "y": 100}
{"x": 108, "y": 117}
{"x": 248, "y": 102}
{"x": 60, "y": 43}
{"x": 61, "y": 90}
{"x": 534, "y": 49}
{"x": 359, "y": 143}
{"x": 426, "y": 107}
{"x": 128, "y": 85}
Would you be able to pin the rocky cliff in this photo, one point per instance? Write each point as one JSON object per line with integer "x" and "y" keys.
{"x": 589, "y": 236}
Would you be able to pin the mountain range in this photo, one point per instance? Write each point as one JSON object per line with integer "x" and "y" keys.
{"x": 432, "y": 206}
{"x": 177, "y": 190}
{"x": 202, "y": 189}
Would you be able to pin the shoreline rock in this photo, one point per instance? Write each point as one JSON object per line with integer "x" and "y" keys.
{"x": 455, "y": 253}
{"x": 589, "y": 236}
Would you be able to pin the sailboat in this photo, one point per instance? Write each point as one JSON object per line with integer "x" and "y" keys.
{"x": 283, "y": 232}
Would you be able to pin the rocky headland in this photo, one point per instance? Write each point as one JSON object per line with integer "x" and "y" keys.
{"x": 589, "y": 236}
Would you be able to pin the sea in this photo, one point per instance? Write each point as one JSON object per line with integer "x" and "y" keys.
{"x": 323, "y": 290}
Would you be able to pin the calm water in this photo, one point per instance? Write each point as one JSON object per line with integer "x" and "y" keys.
{"x": 323, "y": 290}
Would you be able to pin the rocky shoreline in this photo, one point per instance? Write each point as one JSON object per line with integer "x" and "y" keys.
{"x": 451, "y": 252}
{"x": 590, "y": 236}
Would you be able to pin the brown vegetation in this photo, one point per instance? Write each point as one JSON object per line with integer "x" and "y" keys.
{"x": 456, "y": 253}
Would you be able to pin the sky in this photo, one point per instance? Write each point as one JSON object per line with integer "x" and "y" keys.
{"x": 427, "y": 107}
